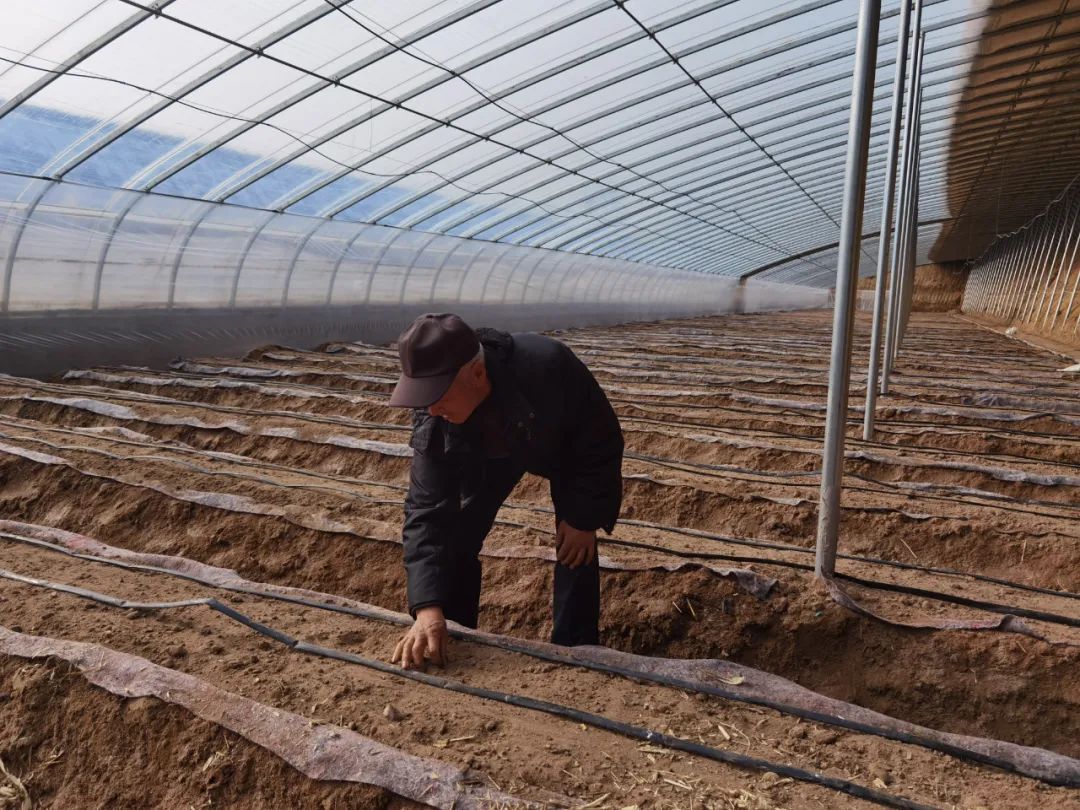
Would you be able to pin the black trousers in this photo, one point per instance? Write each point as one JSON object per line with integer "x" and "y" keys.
{"x": 576, "y": 597}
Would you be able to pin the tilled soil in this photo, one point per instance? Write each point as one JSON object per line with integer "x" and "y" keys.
{"x": 289, "y": 467}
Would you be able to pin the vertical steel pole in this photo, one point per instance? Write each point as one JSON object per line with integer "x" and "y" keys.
{"x": 913, "y": 239}
{"x": 907, "y": 267}
{"x": 973, "y": 288}
{"x": 1034, "y": 240}
{"x": 847, "y": 273}
{"x": 904, "y": 193}
{"x": 902, "y": 40}
{"x": 1007, "y": 276}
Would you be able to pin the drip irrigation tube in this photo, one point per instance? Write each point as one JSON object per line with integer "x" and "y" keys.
{"x": 778, "y": 434}
{"x": 704, "y": 470}
{"x": 718, "y": 471}
{"x": 698, "y": 533}
{"x": 521, "y": 701}
{"x": 876, "y": 584}
{"x": 991, "y": 607}
{"x": 126, "y": 395}
{"x": 651, "y": 459}
{"x": 853, "y": 418}
{"x": 509, "y": 645}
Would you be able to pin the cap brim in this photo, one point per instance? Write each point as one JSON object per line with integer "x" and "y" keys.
{"x": 420, "y": 392}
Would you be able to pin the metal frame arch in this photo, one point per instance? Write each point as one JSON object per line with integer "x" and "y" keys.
{"x": 256, "y": 232}
{"x": 118, "y": 220}
{"x": 13, "y": 251}
{"x": 301, "y": 245}
{"x": 155, "y": 180}
{"x": 483, "y": 287}
{"x": 71, "y": 163}
{"x": 82, "y": 54}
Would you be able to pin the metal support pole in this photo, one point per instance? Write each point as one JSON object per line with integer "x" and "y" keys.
{"x": 972, "y": 280}
{"x": 1008, "y": 265}
{"x": 1040, "y": 259}
{"x": 1031, "y": 242}
{"x": 1072, "y": 297}
{"x": 106, "y": 245}
{"x": 1051, "y": 257}
{"x": 997, "y": 278}
{"x": 1059, "y": 260}
{"x": 847, "y": 273}
{"x": 886, "y": 221}
{"x": 16, "y": 240}
{"x": 906, "y": 271}
{"x": 252, "y": 237}
{"x": 904, "y": 193}
{"x": 908, "y": 288}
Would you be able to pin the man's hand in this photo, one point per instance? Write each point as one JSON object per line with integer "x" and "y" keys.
{"x": 574, "y": 547}
{"x": 427, "y": 640}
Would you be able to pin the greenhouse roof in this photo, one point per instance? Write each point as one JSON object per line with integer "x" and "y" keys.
{"x": 706, "y": 135}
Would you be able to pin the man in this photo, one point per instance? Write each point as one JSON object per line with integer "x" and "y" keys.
{"x": 489, "y": 407}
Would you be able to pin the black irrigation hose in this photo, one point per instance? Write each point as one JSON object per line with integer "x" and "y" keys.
{"x": 613, "y": 541}
{"x": 509, "y": 645}
{"x": 521, "y": 701}
{"x": 852, "y": 419}
{"x": 809, "y": 374}
{"x": 1009, "y": 409}
{"x": 992, "y": 607}
{"x": 716, "y": 470}
{"x": 125, "y": 395}
{"x": 876, "y": 584}
{"x": 933, "y": 429}
{"x": 778, "y": 386}
{"x": 741, "y": 541}
{"x": 391, "y": 427}
{"x": 162, "y": 378}
{"x": 317, "y": 418}
{"x": 778, "y": 434}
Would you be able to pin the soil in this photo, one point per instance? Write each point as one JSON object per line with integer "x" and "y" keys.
{"x": 297, "y": 479}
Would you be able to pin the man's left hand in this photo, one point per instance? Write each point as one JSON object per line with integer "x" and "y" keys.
{"x": 574, "y": 547}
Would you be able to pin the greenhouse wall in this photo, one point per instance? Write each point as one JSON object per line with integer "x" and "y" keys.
{"x": 96, "y": 275}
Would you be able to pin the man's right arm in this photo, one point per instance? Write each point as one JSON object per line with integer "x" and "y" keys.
{"x": 431, "y": 510}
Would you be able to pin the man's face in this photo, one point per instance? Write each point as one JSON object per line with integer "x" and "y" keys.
{"x": 463, "y": 396}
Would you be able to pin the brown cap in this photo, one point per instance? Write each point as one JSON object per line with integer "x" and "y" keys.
{"x": 432, "y": 350}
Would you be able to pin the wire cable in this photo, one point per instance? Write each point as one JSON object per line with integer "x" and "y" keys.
{"x": 449, "y": 123}
{"x": 313, "y": 149}
{"x": 350, "y": 14}
{"x": 621, "y": 4}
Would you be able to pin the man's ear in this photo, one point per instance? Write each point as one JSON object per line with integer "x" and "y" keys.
{"x": 479, "y": 369}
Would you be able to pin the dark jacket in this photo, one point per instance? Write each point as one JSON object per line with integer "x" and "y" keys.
{"x": 546, "y": 415}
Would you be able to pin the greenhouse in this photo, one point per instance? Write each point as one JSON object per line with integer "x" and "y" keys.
{"x": 480, "y": 403}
